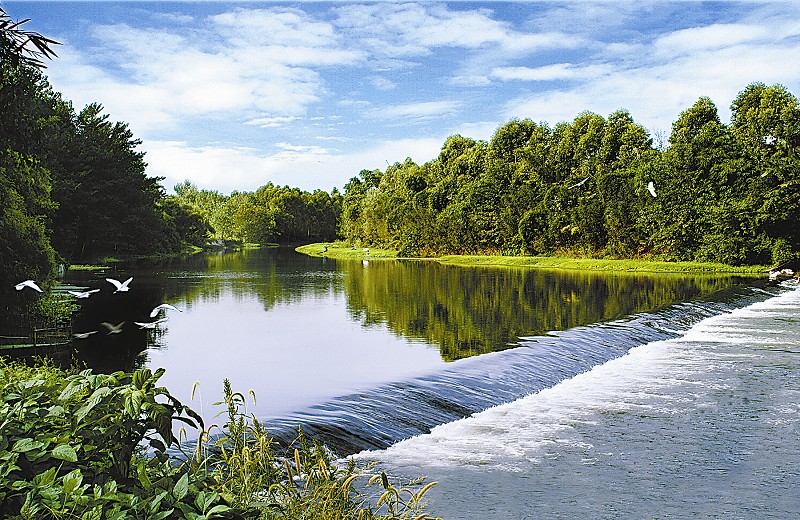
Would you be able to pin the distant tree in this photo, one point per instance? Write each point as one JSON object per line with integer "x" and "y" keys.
{"x": 189, "y": 225}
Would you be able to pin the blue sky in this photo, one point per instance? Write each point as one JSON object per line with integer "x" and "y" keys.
{"x": 306, "y": 94}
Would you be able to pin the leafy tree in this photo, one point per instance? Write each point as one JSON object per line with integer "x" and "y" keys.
{"x": 21, "y": 47}
{"x": 26, "y": 104}
{"x": 189, "y": 224}
{"x": 108, "y": 206}
{"x": 766, "y": 124}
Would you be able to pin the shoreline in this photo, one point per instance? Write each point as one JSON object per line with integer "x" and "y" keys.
{"x": 336, "y": 250}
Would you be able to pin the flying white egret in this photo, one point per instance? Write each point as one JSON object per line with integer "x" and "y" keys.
{"x": 149, "y": 325}
{"x": 651, "y": 188}
{"x": 121, "y": 286}
{"x": 84, "y": 294}
{"x": 164, "y": 306}
{"x": 28, "y": 283}
{"x": 84, "y": 335}
{"x": 578, "y": 183}
{"x": 113, "y": 329}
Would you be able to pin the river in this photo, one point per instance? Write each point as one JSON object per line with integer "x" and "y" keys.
{"x": 526, "y": 394}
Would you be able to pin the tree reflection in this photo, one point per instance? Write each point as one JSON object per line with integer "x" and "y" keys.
{"x": 475, "y": 310}
{"x": 464, "y": 311}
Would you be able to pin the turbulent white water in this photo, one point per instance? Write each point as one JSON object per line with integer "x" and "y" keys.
{"x": 702, "y": 425}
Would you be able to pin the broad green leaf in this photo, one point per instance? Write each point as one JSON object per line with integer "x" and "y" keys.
{"x": 65, "y": 452}
{"x": 25, "y": 445}
{"x": 162, "y": 514}
{"x": 181, "y": 487}
{"x": 217, "y": 510}
{"x": 141, "y": 472}
{"x": 72, "y": 481}
{"x": 46, "y": 478}
{"x": 55, "y": 411}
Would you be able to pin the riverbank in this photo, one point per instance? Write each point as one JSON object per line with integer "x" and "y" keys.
{"x": 340, "y": 250}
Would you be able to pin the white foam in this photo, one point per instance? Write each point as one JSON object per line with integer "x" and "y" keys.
{"x": 531, "y": 428}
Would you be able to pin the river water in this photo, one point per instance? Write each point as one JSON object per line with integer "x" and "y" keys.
{"x": 704, "y": 425}
{"x": 526, "y": 394}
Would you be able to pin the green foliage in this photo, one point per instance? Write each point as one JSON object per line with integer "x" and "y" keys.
{"x": 269, "y": 215}
{"x": 83, "y": 445}
{"x": 725, "y": 193}
{"x": 72, "y": 443}
{"x": 80, "y": 176}
{"x": 19, "y": 46}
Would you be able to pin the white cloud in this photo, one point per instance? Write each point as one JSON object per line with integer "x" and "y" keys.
{"x": 414, "y": 29}
{"x": 382, "y": 83}
{"x": 470, "y": 80}
{"x": 307, "y": 167}
{"x": 246, "y": 60}
{"x": 557, "y": 71}
{"x": 293, "y": 152}
{"x": 270, "y": 122}
{"x": 279, "y": 26}
{"x": 710, "y": 37}
{"x": 416, "y": 112}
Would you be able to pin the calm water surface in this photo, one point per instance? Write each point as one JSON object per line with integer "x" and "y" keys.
{"x": 300, "y": 331}
{"x": 528, "y": 394}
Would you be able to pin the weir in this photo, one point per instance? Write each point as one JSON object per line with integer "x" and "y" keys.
{"x": 377, "y": 418}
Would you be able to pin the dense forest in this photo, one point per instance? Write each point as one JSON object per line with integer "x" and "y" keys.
{"x": 271, "y": 214}
{"x": 721, "y": 193}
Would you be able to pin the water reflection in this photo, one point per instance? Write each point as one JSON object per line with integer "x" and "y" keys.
{"x": 463, "y": 311}
{"x": 300, "y": 330}
{"x": 470, "y": 311}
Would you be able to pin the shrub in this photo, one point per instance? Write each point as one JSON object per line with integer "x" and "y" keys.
{"x": 74, "y": 444}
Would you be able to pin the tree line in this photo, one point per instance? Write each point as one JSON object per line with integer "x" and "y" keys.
{"x": 271, "y": 214}
{"x": 720, "y": 192}
{"x": 74, "y": 186}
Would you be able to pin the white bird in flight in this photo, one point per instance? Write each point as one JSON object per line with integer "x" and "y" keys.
{"x": 28, "y": 283}
{"x": 164, "y": 306}
{"x": 121, "y": 286}
{"x": 578, "y": 183}
{"x": 113, "y": 329}
{"x": 83, "y": 294}
{"x": 149, "y": 325}
{"x": 84, "y": 335}
{"x": 651, "y": 188}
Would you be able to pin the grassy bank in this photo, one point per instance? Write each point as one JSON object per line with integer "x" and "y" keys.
{"x": 340, "y": 250}
{"x": 601, "y": 264}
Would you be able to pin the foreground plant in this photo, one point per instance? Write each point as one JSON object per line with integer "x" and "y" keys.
{"x": 301, "y": 481}
{"x": 95, "y": 446}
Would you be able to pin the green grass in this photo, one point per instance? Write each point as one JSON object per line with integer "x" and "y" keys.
{"x": 601, "y": 264}
{"x": 88, "y": 267}
{"x": 341, "y": 250}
